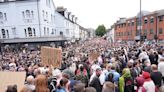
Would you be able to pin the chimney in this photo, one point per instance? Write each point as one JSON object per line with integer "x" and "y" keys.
{"x": 61, "y": 10}
{"x": 73, "y": 18}
{"x": 69, "y": 14}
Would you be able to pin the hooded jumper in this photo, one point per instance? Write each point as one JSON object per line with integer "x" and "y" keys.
{"x": 140, "y": 81}
{"x": 125, "y": 74}
{"x": 148, "y": 84}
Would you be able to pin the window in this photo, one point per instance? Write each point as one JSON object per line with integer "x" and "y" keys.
{"x": 160, "y": 18}
{"x": 121, "y": 25}
{"x": 116, "y": 34}
{"x": 1, "y": 16}
{"x": 34, "y": 32}
{"x": 137, "y": 32}
{"x": 132, "y": 23}
{"x": 32, "y": 14}
{"x": 55, "y": 31}
{"x": 121, "y": 33}
{"x": 128, "y": 23}
{"x": 29, "y": 31}
{"x": 52, "y": 31}
{"x": 145, "y": 21}
{"x": 27, "y": 13}
{"x": 145, "y": 32}
{"x": 3, "y": 33}
{"x": 67, "y": 31}
{"x": 151, "y": 31}
{"x": 5, "y": 16}
{"x": 47, "y": 31}
{"x": 7, "y": 33}
{"x": 44, "y": 30}
{"x": 43, "y": 14}
{"x": 124, "y": 24}
{"x": 25, "y": 32}
{"x": 23, "y": 14}
{"x": 152, "y": 20}
{"x": 128, "y": 33}
{"x": 160, "y": 31}
{"x": 125, "y": 33}
{"x": 51, "y": 18}
{"x": 47, "y": 16}
{"x": 139, "y": 23}
{"x": 54, "y": 19}
{"x": 61, "y": 33}
{"x": 14, "y": 31}
{"x": 48, "y": 3}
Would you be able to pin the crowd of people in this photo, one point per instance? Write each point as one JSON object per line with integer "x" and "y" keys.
{"x": 125, "y": 68}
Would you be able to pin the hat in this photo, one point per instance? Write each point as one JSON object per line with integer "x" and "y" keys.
{"x": 146, "y": 75}
{"x": 98, "y": 68}
{"x": 56, "y": 72}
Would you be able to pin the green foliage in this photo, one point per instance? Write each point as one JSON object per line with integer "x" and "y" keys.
{"x": 101, "y": 30}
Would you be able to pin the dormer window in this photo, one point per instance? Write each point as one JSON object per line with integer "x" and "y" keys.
{"x": 48, "y": 3}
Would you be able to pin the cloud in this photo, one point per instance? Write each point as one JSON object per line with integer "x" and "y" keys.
{"x": 91, "y": 13}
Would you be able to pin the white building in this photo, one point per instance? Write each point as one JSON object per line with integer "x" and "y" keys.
{"x": 35, "y": 21}
{"x": 110, "y": 35}
{"x": 91, "y": 32}
{"x": 66, "y": 23}
{"x": 26, "y": 20}
{"x": 83, "y": 33}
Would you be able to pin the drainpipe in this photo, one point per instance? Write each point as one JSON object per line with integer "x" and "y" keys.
{"x": 156, "y": 34}
{"x": 38, "y": 16}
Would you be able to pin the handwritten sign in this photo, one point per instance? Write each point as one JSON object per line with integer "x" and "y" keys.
{"x": 51, "y": 56}
{"x": 93, "y": 56}
{"x": 12, "y": 78}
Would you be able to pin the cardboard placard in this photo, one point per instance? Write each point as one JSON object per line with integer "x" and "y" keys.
{"x": 12, "y": 78}
{"x": 51, "y": 56}
{"x": 93, "y": 56}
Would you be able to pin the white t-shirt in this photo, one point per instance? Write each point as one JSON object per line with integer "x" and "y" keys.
{"x": 149, "y": 86}
{"x": 161, "y": 68}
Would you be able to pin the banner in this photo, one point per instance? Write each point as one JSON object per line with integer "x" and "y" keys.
{"x": 12, "y": 78}
{"x": 51, "y": 56}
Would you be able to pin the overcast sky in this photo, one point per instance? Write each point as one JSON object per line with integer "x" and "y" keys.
{"x": 91, "y": 13}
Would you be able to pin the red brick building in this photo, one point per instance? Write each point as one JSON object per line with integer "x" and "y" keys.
{"x": 152, "y": 27}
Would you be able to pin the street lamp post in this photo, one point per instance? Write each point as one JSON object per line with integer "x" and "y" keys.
{"x": 140, "y": 20}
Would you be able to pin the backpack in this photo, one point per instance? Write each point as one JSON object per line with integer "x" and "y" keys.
{"x": 52, "y": 84}
{"x": 128, "y": 85}
{"x": 82, "y": 77}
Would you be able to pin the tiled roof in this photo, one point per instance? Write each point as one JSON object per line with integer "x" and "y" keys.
{"x": 160, "y": 12}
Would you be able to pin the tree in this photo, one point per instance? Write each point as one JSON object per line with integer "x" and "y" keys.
{"x": 101, "y": 30}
